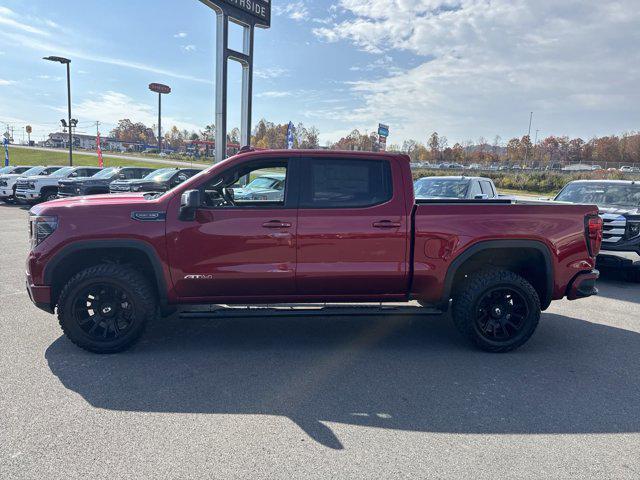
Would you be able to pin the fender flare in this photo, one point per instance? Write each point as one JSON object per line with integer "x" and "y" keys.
{"x": 115, "y": 244}
{"x": 537, "y": 245}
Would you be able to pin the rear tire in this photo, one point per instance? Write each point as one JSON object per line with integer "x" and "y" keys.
{"x": 106, "y": 308}
{"x": 496, "y": 310}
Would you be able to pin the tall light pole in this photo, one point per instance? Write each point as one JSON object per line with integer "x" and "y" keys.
{"x": 67, "y": 62}
{"x": 160, "y": 89}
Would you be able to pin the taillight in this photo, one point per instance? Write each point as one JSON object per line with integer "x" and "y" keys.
{"x": 593, "y": 232}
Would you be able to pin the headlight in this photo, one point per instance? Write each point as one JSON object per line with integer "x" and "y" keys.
{"x": 135, "y": 189}
{"x": 40, "y": 227}
{"x": 633, "y": 229}
{"x": 31, "y": 185}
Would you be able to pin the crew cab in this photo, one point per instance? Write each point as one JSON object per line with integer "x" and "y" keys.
{"x": 45, "y": 187}
{"x": 461, "y": 187}
{"x": 157, "y": 181}
{"x": 21, "y": 182}
{"x": 347, "y": 229}
{"x": 8, "y": 177}
{"x": 100, "y": 182}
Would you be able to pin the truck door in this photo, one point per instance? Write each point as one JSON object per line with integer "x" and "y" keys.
{"x": 352, "y": 228}
{"x": 239, "y": 245}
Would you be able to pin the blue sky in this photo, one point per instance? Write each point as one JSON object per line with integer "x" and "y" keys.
{"x": 466, "y": 68}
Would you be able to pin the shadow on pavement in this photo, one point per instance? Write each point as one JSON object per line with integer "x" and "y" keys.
{"x": 617, "y": 285}
{"x": 385, "y": 372}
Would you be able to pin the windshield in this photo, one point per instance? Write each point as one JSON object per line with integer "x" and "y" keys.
{"x": 106, "y": 173}
{"x": 33, "y": 171}
{"x": 261, "y": 183}
{"x": 161, "y": 175}
{"x": 441, "y": 188}
{"x": 63, "y": 172}
{"x": 623, "y": 195}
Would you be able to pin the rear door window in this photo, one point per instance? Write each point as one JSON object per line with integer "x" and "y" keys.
{"x": 487, "y": 189}
{"x": 475, "y": 189}
{"x": 344, "y": 183}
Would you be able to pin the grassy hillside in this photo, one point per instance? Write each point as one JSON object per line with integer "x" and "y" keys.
{"x": 24, "y": 156}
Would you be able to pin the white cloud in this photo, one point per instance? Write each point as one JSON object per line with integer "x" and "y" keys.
{"x": 110, "y": 107}
{"x": 10, "y": 19}
{"x": 189, "y": 48}
{"x": 271, "y": 72}
{"x": 486, "y": 63}
{"x": 293, "y": 10}
{"x": 180, "y": 35}
{"x": 49, "y": 77}
{"x": 4, "y": 83}
{"x": 275, "y": 94}
{"x": 43, "y": 47}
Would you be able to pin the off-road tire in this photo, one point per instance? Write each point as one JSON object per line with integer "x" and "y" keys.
{"x": 466, "y": 304}
{"x": 138, "y": 291}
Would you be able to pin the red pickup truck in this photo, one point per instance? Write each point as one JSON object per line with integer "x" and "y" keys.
{"x": 345, "y": 228}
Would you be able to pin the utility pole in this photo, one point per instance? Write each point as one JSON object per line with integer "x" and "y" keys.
{"x": 526, "y": 153}
{"x": 535, "y": 144}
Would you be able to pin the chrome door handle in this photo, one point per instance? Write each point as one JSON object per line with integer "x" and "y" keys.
{"x": 276, "y": 224}
{"x": 386, "y": 224}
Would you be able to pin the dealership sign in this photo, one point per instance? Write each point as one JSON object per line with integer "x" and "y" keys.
{"x": 159, "y": 88}
{"x": 251, "y": 12}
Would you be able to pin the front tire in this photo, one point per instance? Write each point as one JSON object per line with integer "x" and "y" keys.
{"x": 105, "y": 308}
{"x": 49, "y": 196}
{"x": 496, "y": 310}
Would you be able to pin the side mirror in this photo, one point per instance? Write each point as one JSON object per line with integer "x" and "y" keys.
{"x": 74, "y": 174}
{"x": 189, "y": 203}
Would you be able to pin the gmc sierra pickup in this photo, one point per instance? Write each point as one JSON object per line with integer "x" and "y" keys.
{"x": 346, "y": 229}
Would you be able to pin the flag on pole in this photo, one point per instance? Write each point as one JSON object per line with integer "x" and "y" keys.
{"x": 100, "y": 161}
{"x": 6, "y": 151}
{"x": 290, "y": 136}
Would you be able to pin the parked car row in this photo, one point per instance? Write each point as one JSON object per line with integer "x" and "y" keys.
{"x": 495, "y": 167}
{"x": 45, "y": 183}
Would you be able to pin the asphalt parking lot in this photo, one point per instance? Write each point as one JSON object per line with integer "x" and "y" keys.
{"x": 328, "y": 397}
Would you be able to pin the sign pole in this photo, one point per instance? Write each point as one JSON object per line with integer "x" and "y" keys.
{"x": 222, "y": 37}
{"x": 248, "y": 15}
{"x": 247, "y": 86}
{"x": 160, "y": 89}
{"x": 159, "y": 122}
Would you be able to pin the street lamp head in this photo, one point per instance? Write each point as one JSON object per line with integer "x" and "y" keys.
{"x": 58, "y": 59}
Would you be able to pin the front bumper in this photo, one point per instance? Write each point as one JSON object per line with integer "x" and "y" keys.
{"x": 631, "y": 245}
{"x": 40, "y": 295}
{"x": 6, "y": 192}
{"x": 27, "y": 195}
{"x": 583, "y": 285}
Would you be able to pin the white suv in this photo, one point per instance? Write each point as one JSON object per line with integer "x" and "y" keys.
{"x": 45, "y": 187}
{"x": 9, "y": 177}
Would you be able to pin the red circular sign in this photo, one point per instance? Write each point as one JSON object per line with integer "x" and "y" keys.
{"x": 159, "y": 88}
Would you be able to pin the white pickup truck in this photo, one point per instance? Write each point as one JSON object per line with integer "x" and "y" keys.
{"x": 45, "y": 187}
{"x": 9, "y": 178}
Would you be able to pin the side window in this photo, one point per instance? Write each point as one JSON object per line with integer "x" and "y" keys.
{"x": 229, "y": 189}
{"x": 130, "y": 173}
{"x": 344, "y": 183}
{"x": 486, "y": 189}
{"x": 475, "y": 189}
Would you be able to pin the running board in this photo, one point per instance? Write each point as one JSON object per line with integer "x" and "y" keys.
{"x": 244, "y": 311}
